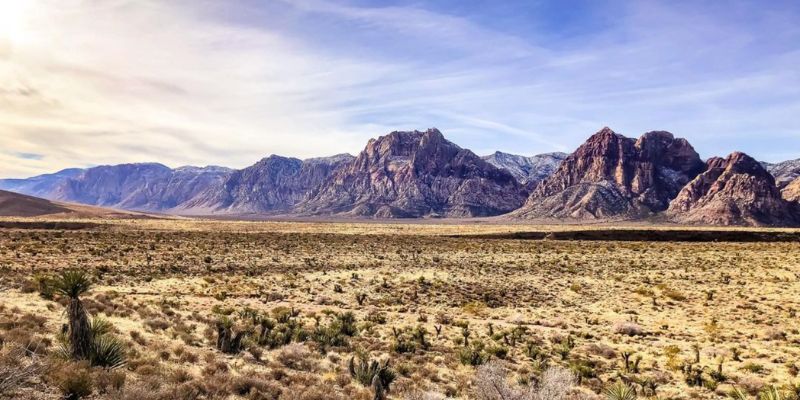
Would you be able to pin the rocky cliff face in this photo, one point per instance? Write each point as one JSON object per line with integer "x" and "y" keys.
{"x": 737, "y": 190}
{"x": 416, "y": 174}
{"x": 792, "y": 191}
{"x": 529, "y": 171}
{"x": 611, "y": 176}
{"x": 126, "y": 186}
{"x": 274, "y": 184}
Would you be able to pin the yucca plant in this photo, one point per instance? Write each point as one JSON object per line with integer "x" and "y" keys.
{"x": 107, "y": 352}
{"x": 771, "y": 393}
{"x": 72, "y": 284}
{"x": 738, "y": 394}
{"x": 100, "y": 326}
{"x": 372, "y": 373}
{"x": 620, "y": 391}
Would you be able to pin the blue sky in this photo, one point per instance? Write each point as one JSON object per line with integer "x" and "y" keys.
{"x": 208, "y": 82}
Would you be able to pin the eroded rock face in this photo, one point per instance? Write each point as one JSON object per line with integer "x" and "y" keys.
{"x": 274, "y": 184}
{"x": 737, "y": 190}
{"x": 416, "y": 174}
{"x": 792, "y": 191}
{"x": 529, "y": 171}
{"x": 125, "y": 186}
{"x": 611, "y": 176}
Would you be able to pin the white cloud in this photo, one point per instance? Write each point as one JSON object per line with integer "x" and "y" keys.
{"x": 86, "y": 82}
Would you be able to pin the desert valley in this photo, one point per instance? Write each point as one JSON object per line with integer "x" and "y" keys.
{"x": 399, "y": 200}
{"x": 416, "y": 270}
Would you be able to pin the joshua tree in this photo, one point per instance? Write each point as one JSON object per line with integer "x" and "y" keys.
{"x": 372, "y": 374}
{"x": 73, "y": 284}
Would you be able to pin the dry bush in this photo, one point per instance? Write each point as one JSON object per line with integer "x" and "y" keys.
{"x": 492, "y": 383}
{"x": 16, "y": 369}
{"x": 555, "y": 384}
{"x": 628, "y": 328}
{"x": 297, "y": 357}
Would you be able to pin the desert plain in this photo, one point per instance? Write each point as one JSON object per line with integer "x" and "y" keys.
{"x": 303, "y": 310}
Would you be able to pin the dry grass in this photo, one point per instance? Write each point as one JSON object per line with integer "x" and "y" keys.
{"x": 632, "y": 312}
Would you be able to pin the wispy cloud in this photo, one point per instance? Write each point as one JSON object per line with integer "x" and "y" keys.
{"x": 202, "y": 82}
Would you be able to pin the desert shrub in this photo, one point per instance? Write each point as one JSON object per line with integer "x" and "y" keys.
{"x": 628, "y": 328}
{"x": 674, "y": 294}
{"x": 753, "y": 367}
{"x": 17, "y": 369}
{"x": 554, "y": 384}
{"x": 620, "y": 391}
{"x": 230, "y": 339}
{"x": 107, "y": 352}
{"x": 492, "y": 383}
{"x": 403, "y": 345}
{"x": 74, "y": 380}
{"x": 473, "y": 355}
{"x": 336, "y": 333}
{"x": 371, "y": 373}
{"x": 109, "y": 380}
{"x": 297, "y": 357}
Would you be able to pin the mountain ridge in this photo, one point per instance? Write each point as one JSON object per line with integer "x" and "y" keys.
{"x": 419, "y": 174}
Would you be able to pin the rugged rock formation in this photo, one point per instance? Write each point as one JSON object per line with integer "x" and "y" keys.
{"x": 733, "y": 191}
{"x": 529, "y": 171}
{"x": 615, "y": 177}
{"x": 792, "y": 191}
{"x": 274, "y": 184}
{"x": 784, "y": 172}
{"x": 125, "y": 186}
{"x": 144, "y": 186}
{"x": 416, "y": 174}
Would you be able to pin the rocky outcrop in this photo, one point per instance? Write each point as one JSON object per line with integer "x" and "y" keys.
{"x": 274, "y": 184}
{"x": 611, "y": 177}
{"x": 784, "y": 172}
{"x": 529, "y": 171}
{"x": 792, "y": 191}
{"x": 737, "y": 190}
{"x": 416, "y": 174}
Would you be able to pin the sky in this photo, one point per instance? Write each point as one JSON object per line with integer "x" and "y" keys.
{"x": 199, "y": 82}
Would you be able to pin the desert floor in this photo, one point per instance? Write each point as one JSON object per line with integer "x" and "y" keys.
{"x": 676, "y": 320}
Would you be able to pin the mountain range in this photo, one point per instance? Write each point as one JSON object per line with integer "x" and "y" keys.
{"x": 418, "y": 174}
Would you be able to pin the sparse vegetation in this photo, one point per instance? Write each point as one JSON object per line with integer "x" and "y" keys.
{"x": 318, "y": 311}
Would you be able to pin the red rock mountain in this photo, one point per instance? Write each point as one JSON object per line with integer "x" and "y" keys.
{"x": 611, "y": 176}
{"x": 737, "y": 190}
{"x": 416, "y": 174}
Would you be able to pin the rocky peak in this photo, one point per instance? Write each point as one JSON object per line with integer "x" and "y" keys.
{"x": 735, "y": 191}
{"x": 413, "y": 174}
{"x": 612, "y": 176}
